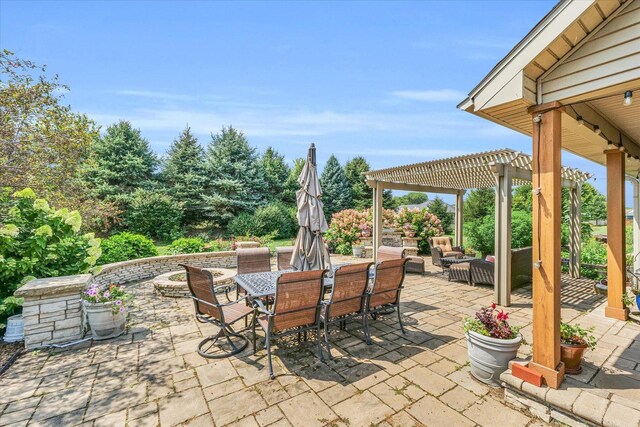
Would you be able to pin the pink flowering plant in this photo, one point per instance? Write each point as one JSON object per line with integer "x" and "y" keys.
{"x": 491, "y": 322}
{"x": 348, "y": 226}
{"x": 419, "y": 223}
{"x": 114, "y": 294}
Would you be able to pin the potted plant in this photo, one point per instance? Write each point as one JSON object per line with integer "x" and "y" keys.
{"x": 106, "y": 310}
{"x": 357, "y": 249}
{"x": 574, "y": 340}
{"x": 491, "y": 343}
{"x": 409, "y": 230}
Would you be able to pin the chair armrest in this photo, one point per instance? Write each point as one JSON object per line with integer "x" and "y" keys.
{"x": 233, "y": 302}
{"x": 261, "y": 308}
{"x": 458, "y": 248}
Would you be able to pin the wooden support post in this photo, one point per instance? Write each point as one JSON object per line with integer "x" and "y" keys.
{"x": 458, "y": 218}
{"x": 575, "y": 230}
{"x": 547, "y": 203}
{"x": 378, "y": 223}
{"x": 502, "y": 272}
{"x": 636, "y": 224}
{"x": 616, "y": 262}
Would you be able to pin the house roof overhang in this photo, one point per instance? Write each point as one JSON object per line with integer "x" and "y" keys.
{"x": 583, "y": 54}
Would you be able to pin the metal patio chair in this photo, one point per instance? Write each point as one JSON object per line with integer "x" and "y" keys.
{"x": 385, "y": 293}
{"x": 208, "y": 309}
{"x": 348, "y": 298}
{"x": 252, "y": 260}
{"x": 296, "y": 308}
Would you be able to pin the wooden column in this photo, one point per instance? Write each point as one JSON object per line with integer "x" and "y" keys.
{"x": 458, "y": 218}
{"x": 377, "y": 218}
{"x": 636, "y": 224}
{"x": 546, "y": 243}
{"x": 616, "y": 263}
{"x": 575, "y": 230}
{"x": 502, "y": 272}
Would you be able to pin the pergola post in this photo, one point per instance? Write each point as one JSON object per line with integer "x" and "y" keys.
{"x": 636, "y": 224}
{"x": 377, "y": 218}
{"x": 458, "y": 217}
{"x": 547, "y": 133}
{"x": 575, "y": 230}
{"x": 502, "y": 272}
{"x": 616, "y": 262}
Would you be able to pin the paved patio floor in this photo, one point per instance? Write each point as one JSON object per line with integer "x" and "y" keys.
{"x": 153, "y": 376}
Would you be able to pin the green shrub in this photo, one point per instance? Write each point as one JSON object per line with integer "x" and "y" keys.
{"x": 188, "y": 245}
{"x": 126, "y": 246}
{"x": 220, "y": 245}
{"x": 38, "y": 241}
{"x": 274, "y": 219}
{"x": 593, "y": 252}
{"x": 153, "y": 214}
{"x": 480, "y": 234}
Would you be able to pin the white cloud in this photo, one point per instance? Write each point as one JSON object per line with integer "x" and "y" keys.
{"x": 440, "y": 95}
{"x": 154, "y": 94}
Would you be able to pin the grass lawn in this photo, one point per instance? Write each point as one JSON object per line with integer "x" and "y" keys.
{"x": 163, "y": 247}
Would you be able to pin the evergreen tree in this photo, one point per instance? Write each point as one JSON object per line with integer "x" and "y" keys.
{"x": 291, "y": 185}
{"x": 388, "y": 201}
{"x": 479, "y": 203}
{"x": 236, "y": 179}
{"x": 594, "y": 203}
{"x": 185, "y": 176}
{"x": 276, "y": 173}
{"x": 335, "y": 188}
{"x": 121, "y": 163}
{"x": 439, "y": 208}
{"x": 361, "y": 193}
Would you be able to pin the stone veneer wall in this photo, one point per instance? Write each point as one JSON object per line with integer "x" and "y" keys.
{"x": 146, "y": 268}
{"x": 52, "y": 310}
{"x": 52, "y": 307}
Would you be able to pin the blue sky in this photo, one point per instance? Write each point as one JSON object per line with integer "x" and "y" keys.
{"x": 376, "y": 79}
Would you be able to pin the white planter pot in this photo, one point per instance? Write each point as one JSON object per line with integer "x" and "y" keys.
{"x": 103, "y": 322}
{"x": 15, "y": 329}
{"x": 490, "y": 357}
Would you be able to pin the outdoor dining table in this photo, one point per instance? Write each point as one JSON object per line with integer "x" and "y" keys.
{"x": 263, "y": 284}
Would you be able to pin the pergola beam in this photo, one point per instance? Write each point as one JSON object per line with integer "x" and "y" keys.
{"x": 575, "y": 231}
{"x": 412, "y": 187}
{"x": 459, "y": 217}
{"x": 502, "y": 267}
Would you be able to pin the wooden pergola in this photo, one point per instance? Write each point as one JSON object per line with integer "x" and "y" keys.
{"x": 570, "y": 84}
{"x": 499, "y": 169}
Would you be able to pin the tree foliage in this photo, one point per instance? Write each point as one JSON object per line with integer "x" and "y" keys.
{"x": 291, "y": 184}
{"x": 185, "y": 177}
{"x": 122, "y": 162}
{"x": 479, "y": 204}
{"x": 276, "y": 173}
{"x": 440, "y": 209}
{"x": 412, "y": 198}
{"x": 361, "y": 193}
{"x": 335, "y": 188}
{"x": 236, "y": 180}
{"x": 154, "y": 214}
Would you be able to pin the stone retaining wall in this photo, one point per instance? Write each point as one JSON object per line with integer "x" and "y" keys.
{"x": 146, "y": 268}
{"x": 52, "y": 307}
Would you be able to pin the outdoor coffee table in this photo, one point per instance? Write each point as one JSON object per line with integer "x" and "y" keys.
{"x": 448, "y": 260}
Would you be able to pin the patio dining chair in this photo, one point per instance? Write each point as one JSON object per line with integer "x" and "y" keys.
{"x": 283, "y": 257}
{"x": 385, "y": 293}
{"x": 348, "y": 298}
{"x": 209, "y": 310}
{"x": 296, "y": 308}
{"x": 252, "y": 260}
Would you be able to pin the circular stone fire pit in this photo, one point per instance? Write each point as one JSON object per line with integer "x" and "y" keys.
{"x": 174, "y": 283}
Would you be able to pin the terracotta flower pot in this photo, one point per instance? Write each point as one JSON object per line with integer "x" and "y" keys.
{"x": 571, "y": 356}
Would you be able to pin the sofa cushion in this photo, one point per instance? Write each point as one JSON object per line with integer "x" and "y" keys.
{"x": 443, "y": 243}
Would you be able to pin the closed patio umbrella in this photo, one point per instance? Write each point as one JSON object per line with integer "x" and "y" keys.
{"x": 310, "y": 252}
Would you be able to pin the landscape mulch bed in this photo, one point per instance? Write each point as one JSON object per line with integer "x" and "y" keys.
{"x": 9, "y": 352}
